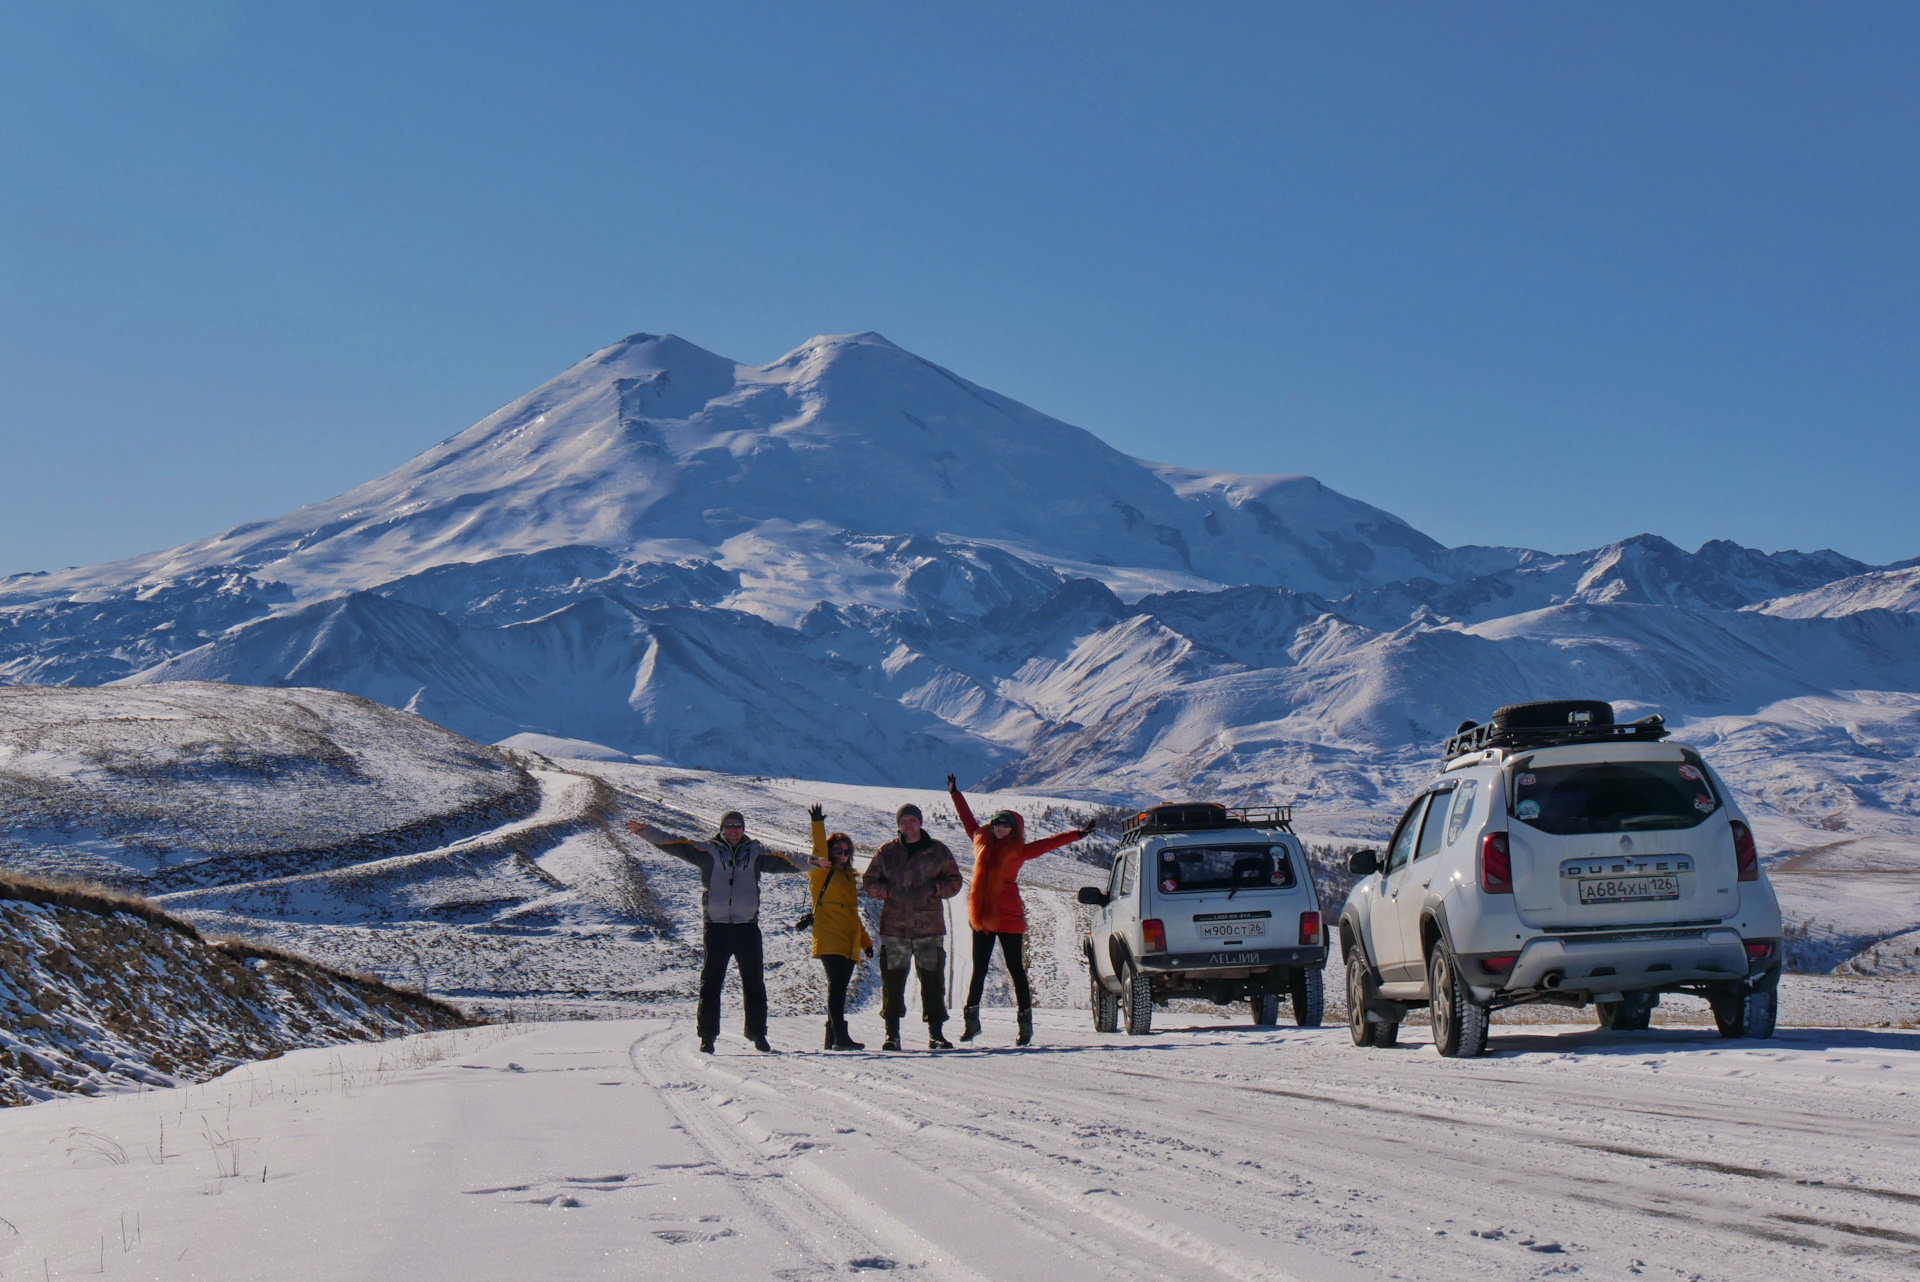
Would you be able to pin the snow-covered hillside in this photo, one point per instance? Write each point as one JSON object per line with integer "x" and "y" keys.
{"x": 852, "y": 563}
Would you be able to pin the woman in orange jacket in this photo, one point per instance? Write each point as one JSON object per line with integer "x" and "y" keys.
{"x": 994, "y": 907}
{"x": 840, "y": 938}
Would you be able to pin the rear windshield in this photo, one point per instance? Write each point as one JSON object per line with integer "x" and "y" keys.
{"x": 1616, "y": 796}
{"x": 1184, "y": 868}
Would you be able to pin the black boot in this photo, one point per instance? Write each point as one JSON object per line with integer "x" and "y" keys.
{"x": 972, "y": 1030}
{"x": 844, "y": 1039}
{"x": 833, "y": 1037}
{"x": 935, "y": 1040}
{"x": 1026, "y": 1027}
{"x": 706, "y": 1046}
{"x": 893, "y": 1036}
{"x": 760, "y": 1044}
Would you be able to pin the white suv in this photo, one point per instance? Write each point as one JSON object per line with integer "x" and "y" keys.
{"x": 1558, "y": 857}
{"x": 1209, "y": 902}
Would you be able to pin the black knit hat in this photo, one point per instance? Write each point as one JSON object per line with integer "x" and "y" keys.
{"x": 908, "y": 808}
{"x": 733, "y": 817}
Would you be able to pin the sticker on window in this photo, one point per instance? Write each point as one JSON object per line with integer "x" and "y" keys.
{"x": 1703, "y": 803}
{"x": 1527, "y": 810}
{"x": 1689, "y": 772}
{"x": 1525, "y": 781}
{"x": 1169, "y": 885}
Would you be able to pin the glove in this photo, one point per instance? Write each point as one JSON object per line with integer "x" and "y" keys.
{"x": 1087, "y": 827}
{"x": 953, "y": 785}
{"x": 817, "y": 812}
{"x": 869, "y": 950}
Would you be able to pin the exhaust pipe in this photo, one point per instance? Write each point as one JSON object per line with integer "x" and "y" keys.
{"x": 1552, "y": 979}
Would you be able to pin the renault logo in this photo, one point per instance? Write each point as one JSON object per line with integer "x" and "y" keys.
{"x": 1626, "y": 844}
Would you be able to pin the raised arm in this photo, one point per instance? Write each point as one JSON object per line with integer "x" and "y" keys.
{"x": 1035, "y": 849}
{"x": 961, "y": 808}
{"x": 818, "y": 815}
{"x": 669, "y": 843}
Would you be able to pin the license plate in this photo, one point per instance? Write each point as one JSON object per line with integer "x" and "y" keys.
{"x": 1628, "y": 890}
{"x": 1232, "y": 929}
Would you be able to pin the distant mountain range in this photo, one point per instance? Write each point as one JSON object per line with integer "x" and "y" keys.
{"x": 854, "y": 564}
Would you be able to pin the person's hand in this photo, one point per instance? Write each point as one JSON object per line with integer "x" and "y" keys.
{"x": 869, "y": 950}
{"x": 817, "y": 812}
{"x": 818, "y": 862}
{"x": 953, "y": 785}
{"x": 1087, "y": 827}
{"x": 633, "y": 826}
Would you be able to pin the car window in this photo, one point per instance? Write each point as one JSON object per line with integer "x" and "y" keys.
{"x": 1404, "y": 838}
{"x": 1462, "y": 809}
{"x": 1609, "y": 797}
{"x": 1126, "y": 874}
{"x": 1435, "y": 827}
{"x": 1189, "y": 868}
{"x": 1113, "y": 874}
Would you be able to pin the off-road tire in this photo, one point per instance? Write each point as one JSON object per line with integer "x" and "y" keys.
{"x": 1459, "y": 1022}
{"x": 1309, "y": 998}
{"x": 1105, "y": 1004}
{"x": 1365, "y": 1032}
{"x": 1137, "y": 1003}
{"x": 1633, "y": 1013}
{"x": 1266, "y": 1009}
{"x": 1752, "y": 1015}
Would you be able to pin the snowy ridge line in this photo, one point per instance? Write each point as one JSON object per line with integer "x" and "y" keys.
{"x": 568, "y": 803}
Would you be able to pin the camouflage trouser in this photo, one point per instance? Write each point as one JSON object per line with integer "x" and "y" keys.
{"x": 929, "y": 957}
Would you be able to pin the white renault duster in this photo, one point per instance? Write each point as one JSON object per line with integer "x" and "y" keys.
{"x": 1559, "y": 857}
{"x": 1205, "y": 901}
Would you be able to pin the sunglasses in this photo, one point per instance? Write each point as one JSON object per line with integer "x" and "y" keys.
{"x": 731, "y": 827}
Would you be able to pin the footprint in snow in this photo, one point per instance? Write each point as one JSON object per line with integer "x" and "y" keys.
{"x": 691, "y": 1237}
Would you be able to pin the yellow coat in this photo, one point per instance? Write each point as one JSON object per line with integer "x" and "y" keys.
{"x": 837, "y": 928}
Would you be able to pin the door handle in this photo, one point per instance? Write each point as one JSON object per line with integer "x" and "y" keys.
{"x": 1426, "y": 883}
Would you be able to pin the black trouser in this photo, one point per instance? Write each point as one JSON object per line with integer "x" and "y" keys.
{"x": 839, "y": 975}
{"x": 1012, "y": 948}
{"x": 733, "y": 941}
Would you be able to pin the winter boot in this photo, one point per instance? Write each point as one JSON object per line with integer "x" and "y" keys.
{"x": 936, "y": 1040}
{"x": 972, "y": 1030}
{"x": 843, "y": 1039}
{"x": 706, "y": 1046}
{"x": 1026, "y": 1027}
{"x": 833, "y": 1037}
{"x": 893, "y": 1036}
{"x": 760, "y": 1044}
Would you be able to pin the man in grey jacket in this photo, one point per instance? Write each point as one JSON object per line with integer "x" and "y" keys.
{"x": 730, "y": 866}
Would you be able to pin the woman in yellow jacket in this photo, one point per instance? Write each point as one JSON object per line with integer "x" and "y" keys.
{"x": 839, "y": 936}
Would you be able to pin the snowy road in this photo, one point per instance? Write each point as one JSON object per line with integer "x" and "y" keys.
{"x": 1210, "y": 1150}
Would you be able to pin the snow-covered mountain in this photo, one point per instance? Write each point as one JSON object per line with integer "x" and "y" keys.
{"x": 853, "y": 564}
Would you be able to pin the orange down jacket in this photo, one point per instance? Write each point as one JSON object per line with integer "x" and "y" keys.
{"x": 994, "y": 903}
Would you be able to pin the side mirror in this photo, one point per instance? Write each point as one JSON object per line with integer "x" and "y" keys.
{"x": 1363, "y": 863}
{"x": 1093, "y": 896}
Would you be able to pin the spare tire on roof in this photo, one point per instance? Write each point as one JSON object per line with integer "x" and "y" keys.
{"x": 1557, "y": 714}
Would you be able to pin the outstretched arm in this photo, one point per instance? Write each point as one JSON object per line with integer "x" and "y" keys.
{"x": 670, "y": 843}
{"x": 1035, "y": 849}
{"x": 961, "y": 808}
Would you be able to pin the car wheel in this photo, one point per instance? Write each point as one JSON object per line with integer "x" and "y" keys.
{"x": 1309, "y": 998}
{"x": 1366, "y": 1031}
{"x": 1633, "y": 1013}
{"x": 1105, "y": 1004}
{"x": 1138, "y": 1005}
{"x": 1459, "y": 1022}
{"x": 1266, "y": 1009}
{"x": 1749, "y": 1015}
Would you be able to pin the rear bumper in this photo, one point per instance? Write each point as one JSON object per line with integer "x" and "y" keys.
{"x": 1624, "y": 963}
{"x": 1235, "y": 959}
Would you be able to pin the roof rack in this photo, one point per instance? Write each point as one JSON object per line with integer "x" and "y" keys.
{"x": 1198, "y": 816}
{"x": 1480, "y": 738}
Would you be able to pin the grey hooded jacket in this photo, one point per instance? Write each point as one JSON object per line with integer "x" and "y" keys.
{"x": 729, "y": 875}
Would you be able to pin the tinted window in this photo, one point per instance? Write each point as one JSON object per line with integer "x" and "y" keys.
{"x": 1185, "y": 868}
{"x": 1616, "y": 796}
{"x": 1403, "y": 839}
{"x": 1436, "y": 825}
{"x": 1462, "y": 809}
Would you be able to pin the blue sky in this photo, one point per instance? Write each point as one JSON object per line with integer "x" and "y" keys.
{"x": 1531, "y": 274}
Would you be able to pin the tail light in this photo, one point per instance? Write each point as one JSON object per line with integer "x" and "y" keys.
{"x": 1156, "y": 935}
{"x": 1309, "y": 928}
{"x": 1745, "y": 853}
{"x": 1758, "y": 949}
{"x": 1499, "y": 965}
{"x": 1496, "y": 864}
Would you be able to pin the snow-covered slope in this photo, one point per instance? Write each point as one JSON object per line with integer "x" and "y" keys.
{"x": 1881, "y": 590}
